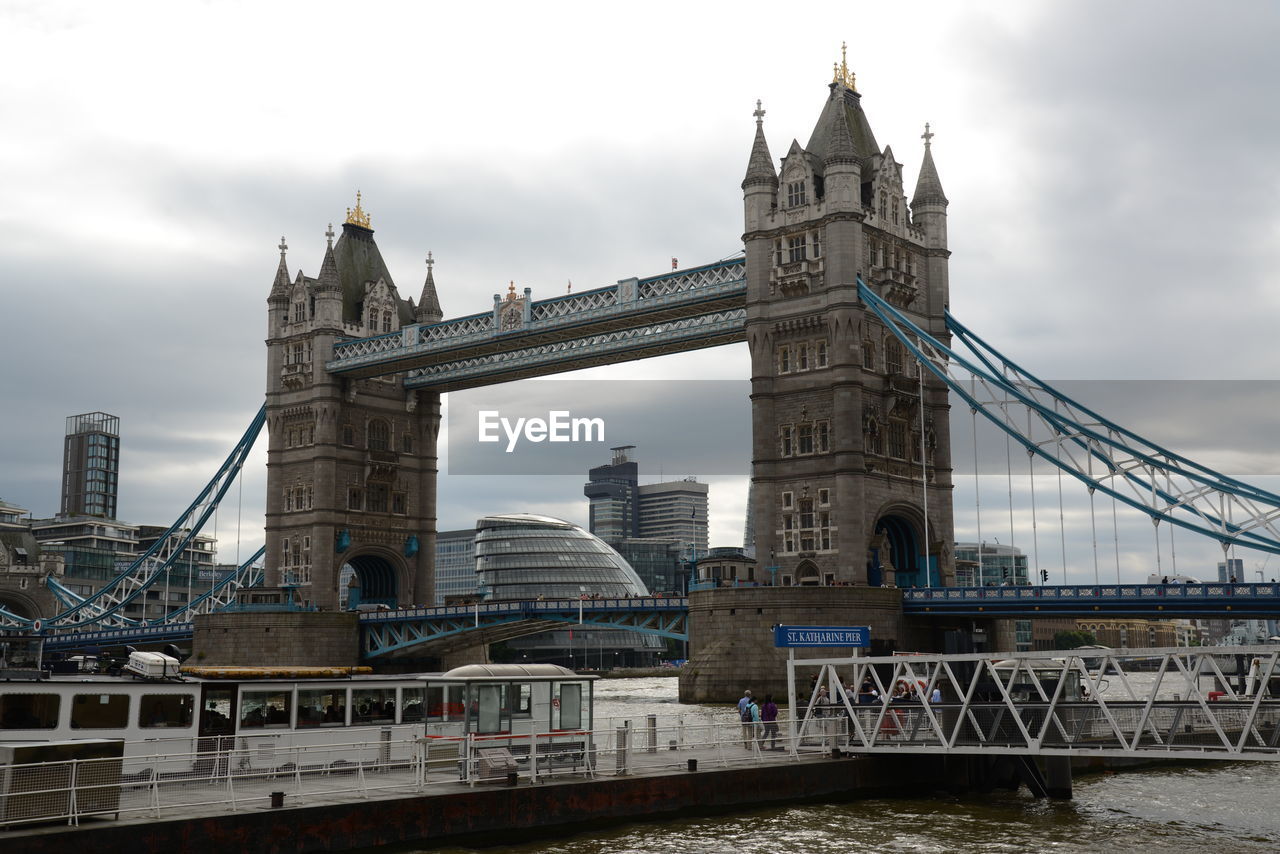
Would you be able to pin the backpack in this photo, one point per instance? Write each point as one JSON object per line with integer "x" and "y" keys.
{"x": 746, "y": 714}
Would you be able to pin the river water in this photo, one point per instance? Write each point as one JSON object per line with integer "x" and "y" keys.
{"x": 1217, "y": 807}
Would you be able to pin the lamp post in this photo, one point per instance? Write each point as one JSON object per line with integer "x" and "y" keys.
{"x": 481, "y": 592}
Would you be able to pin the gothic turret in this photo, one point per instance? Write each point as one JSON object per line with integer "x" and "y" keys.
{"x": 428, "y": 309}
{"x": 929, "y": 203}
{"x": 760, "y": 186}
{"x": 280, "y": 287}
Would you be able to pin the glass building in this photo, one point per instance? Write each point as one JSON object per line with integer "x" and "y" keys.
{"x": 523, "y": 556}
{"x": 990, "y": 565}
{"x": 455, "y": 565}
{"x": 90, "y": 465}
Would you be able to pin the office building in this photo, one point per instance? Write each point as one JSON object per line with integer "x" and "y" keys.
{"x": 990, "y": 565}
{"x": 612, "y": 490}
{"x": 455, "y": 566}
{"x": 674, "y": 511}
{"x": 90, "y": 465}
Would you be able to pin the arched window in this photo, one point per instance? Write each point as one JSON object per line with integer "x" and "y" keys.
{"x": 379, "y": 436}
{"x": 406, "y": 443}
{"x": 348, "y": 435}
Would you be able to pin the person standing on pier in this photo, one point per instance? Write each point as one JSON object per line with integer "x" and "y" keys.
{"x": 769, "y": 714}
{"x": 748, "y": 713}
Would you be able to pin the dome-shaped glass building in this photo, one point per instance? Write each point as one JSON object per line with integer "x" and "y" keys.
{"x": 524, "y": 556}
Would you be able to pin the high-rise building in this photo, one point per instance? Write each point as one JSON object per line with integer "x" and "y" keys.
{"x": 90, "y": 465}
{"x": 1231, "y": 569}
{"x": 675, "y": 511}
{"x": 612, "y": 490}
{"x": 456, "y": 565}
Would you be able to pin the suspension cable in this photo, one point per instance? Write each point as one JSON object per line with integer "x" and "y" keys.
{"x": 1173, "y": 553}
{"x": 1062, "y": 519}
{"x": 1093, "y": 521}
{"x": 1031, "y": 476}
{"x": 977, "y": 481}
{"x": 1115, "y": 534}
{"x": 924, "y": 479}
{"x": 1155, "y": 524}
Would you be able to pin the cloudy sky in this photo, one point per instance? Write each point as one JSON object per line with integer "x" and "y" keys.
{"x": 1114, "y": 207}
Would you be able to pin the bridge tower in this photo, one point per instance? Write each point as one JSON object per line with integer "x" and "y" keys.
{"x": 351, "y": 463}
{"x": 839, "y": 432}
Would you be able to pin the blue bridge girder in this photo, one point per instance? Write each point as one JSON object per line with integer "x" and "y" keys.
{"x": 634, "y": 319}
{"x": 1220, "y": 600}
{"x": 441, "y": 630}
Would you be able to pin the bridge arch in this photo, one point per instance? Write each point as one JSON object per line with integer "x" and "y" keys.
{"x": 18, "y": 602}
{"x": 897, "y": 544}
{"x": 379, "y": 573}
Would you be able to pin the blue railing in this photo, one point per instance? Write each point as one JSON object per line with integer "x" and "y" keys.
{"x": 1166, "y": 599}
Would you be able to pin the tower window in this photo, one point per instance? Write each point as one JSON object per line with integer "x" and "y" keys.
{"x": 377, "y": 498}
{"x": 820, "y": 354}
{"x": 805, "y": 439}
{"x": 379, "y": 435}
{"x": 893, "y": 356}
{"x": 787, "y": 499}
{"x": 817, "y": 244}
{"x": 802, "y": 357}
{"x": 787, "y": 450}
{"x": 897, "y": 439}
{"x": 348, "y": 435}
{"x": 406, "y": 443}
{"x": 869, "y": 355}
{"x": 796, "y": 194}
{"x": 386, "y": 321}
{"x": 784, "y": 360}
{"x": 299, "y": 312}
{"x": 895, "y": 210}
{"x": 355, "y": 498}
{"x": 796, "y": 248}
{"x": 824, "y": 437}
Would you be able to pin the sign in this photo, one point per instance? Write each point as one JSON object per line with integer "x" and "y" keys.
{"x": 790, "y": 636}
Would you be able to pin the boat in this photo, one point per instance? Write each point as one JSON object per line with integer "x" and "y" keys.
{"x": 263, "y": 715}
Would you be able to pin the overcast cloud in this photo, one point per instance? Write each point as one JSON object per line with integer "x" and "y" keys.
{"x": 1114, "y": 207}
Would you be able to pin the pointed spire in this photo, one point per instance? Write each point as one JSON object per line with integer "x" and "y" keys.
{"x": 928, "y": 185}
{"x": 840, "y": 147}
{"x": 429, "y": 303}
{"x": 328, "y": 279}
{"x": 760, "y": 167}
{"x": 280, "y": 287}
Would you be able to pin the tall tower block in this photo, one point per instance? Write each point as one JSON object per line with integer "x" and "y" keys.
{"x": 351, "y": 464}
{"x": 846, "y": 459}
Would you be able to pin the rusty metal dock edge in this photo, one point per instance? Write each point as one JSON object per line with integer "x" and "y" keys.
{"x": 494, "y": 814}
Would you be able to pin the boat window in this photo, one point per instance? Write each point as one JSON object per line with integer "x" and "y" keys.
{"x": 489, "y": 708}
{"x": 323, "y": 707}
{"x": 445, "y": 703}
{"x": 269, "y": 709}
{"x": 166, "y": 710}
{"x": 28, "y": 711}
{"x": 410, "y": 705}
{"x": 373, "y": 706}
{"x": 99, "y": 711}
{"x": 569, "y": 695}
{"x": 522, "y": 700}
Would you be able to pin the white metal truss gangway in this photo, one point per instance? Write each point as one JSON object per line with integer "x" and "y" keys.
{"x": 1216, "y": 703}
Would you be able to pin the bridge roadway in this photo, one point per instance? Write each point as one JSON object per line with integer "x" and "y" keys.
{"x": 446, "y": 628}
{"x": 441, "y": 630}
{"x": 636, "y": 318}
{"x": 1083, "y": 600}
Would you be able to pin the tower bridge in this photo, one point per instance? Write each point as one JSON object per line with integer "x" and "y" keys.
{"x": 841, "y": 297}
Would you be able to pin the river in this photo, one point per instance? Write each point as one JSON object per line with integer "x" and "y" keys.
{"x": 1216, "y": 807}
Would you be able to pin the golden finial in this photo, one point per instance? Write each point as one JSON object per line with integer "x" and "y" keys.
{"x": 841, "y": 73}
{"x": 511, "y": 291}
{"x": 357, "y": 216}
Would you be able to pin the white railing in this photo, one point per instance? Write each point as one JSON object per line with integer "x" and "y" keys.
{"x": 230, "y": 777}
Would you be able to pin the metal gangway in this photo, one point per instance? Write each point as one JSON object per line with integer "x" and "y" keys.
{"x": 1216, "y": 703}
